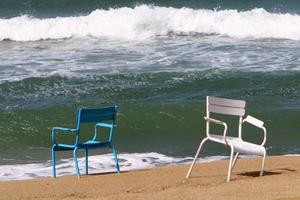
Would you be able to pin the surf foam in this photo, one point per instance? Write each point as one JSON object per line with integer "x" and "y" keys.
{"x": 142, "y": 22}
{"x": 97, "y": 164}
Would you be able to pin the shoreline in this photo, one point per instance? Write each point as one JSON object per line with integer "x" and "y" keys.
{"x": 208, "y": 181}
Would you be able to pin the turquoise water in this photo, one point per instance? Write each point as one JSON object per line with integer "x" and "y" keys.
{"x": 157, "y": 61}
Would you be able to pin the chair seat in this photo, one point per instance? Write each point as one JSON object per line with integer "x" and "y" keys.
{"x": 240, "y": 145}
{"x": 63, "y": 147}
{"x": 93, "y": 144}
{"x": 86, "y": 144}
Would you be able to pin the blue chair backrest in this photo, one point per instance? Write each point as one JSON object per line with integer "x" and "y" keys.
{"x": 96, "y": 115}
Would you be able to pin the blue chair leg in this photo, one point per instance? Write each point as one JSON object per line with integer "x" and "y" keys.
{"x": 86, "y": 162}
{"x": 53, "y": 163}
{"x": 76, "y": 162}
{"x": 116, "y": 158}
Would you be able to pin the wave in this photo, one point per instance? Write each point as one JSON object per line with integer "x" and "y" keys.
{"x": 152, "y": 88}
{"x": 100, "y": 164}
{"x": 97, "y": 164}
{"x": 142, "y": 22}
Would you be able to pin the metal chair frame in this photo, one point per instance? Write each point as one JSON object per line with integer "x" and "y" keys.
{"x": 101, "y": 118}
{"x": 237, "y": 144}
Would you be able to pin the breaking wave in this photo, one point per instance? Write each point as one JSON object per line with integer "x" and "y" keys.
{"x": 145, "y": 21}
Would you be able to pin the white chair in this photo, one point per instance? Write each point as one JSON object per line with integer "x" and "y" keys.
{"x": 236, "y": 144}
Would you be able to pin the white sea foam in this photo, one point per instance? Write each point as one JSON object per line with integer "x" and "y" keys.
{"x": 97, "y": 164}
{"x": 146, "y": 21}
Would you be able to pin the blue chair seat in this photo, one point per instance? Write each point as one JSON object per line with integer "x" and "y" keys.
{"x": 94, "y": 144}
{"x": 63, "y": 147}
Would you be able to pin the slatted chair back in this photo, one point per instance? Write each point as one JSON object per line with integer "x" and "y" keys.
{"x": 96, "y": 115}
{"x": 225, "y": 107}
{"x": 91, "y": 115}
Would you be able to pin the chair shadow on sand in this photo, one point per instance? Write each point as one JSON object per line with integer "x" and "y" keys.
{"x": 253, "y": 173}
{"x": 112, "y": 172}
{"x": 266, "y": 173}
{"x": 105, "y": 173}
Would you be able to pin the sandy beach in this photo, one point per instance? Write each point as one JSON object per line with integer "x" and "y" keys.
{"x": 208, "y": 181}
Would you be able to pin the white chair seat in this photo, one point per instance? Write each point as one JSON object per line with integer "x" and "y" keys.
{"x": 240, "y": 145}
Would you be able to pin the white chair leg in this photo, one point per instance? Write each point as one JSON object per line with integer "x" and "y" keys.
{"x": 196, "y": 156}
{"x": 235, "y": 159}
{"x": 230, "y": 163}
{"x": 262, "y": 165}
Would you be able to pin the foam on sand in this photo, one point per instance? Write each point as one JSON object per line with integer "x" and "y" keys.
{"x": 97, "y": 164}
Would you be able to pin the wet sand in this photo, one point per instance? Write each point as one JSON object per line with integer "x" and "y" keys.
{"x": 208, "y": 181}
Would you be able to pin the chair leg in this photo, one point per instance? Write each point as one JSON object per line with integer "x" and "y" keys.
{"x": 86, "y": 162}
{"x": 196, "y": 156}
{"x": 262, "y": 165}
{"x": 76, "y": 162}
{"x": 116, "y": 158}
{"x": 53, "y": 163}
{"x": 235, "y": 159}
{"x": 230, "y": 163}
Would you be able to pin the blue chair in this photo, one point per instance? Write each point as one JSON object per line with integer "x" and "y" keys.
{"x": 101, "y": 117}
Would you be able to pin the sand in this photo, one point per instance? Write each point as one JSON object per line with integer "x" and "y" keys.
{"x": 208, "y": 181}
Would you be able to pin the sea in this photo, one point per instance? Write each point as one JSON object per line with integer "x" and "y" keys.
{"x": 157, "y": 61}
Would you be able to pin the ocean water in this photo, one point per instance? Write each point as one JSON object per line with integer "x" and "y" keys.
{"x": 156, "y": 60}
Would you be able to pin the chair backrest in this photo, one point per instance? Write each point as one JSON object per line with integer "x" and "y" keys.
{"x": 96, "y": 115}
{"x": 225, "y": 106}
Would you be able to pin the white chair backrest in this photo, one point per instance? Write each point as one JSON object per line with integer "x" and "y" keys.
{"x": 225, "y": 106}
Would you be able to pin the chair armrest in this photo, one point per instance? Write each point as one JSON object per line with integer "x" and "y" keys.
{"x": 259, "y": 124}
{"x": 220, "y": 123}
{"x": 61, "y": 130}
{"x": 103, "y": 125}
